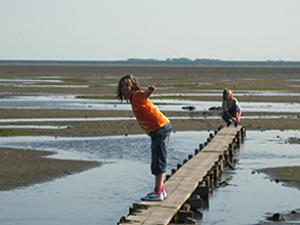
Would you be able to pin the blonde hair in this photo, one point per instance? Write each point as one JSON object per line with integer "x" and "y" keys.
{"x": 133, "y": 83}
{"x": 229, "y": 94}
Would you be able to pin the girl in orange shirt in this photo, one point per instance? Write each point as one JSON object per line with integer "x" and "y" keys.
{"x": 155, "y": 124}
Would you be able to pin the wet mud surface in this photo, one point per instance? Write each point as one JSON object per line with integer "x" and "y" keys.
{"x": 25, "y": 167}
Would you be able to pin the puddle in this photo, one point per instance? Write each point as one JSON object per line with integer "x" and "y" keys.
{"x": 294, "y": 85}
{"x": 97, "y": 196}
{"x": 15, "y": 120}
{"x": 71, "y": 102}
{"x": 43, "y": 85}
{"x": 37, "y": 83}
{"x": 65, "y": 119}
{"x": 33, "y": 127}
{"x": 29, "y": 81}
{"x": 211, "y": 92}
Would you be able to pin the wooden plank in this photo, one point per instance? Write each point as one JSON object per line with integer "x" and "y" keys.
{"x": 222, "y": 140}
{"x": 219, "y": 142}
{"x": 231, "y": 130}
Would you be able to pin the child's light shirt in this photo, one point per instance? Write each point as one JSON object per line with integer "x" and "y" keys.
{"x": 146, "y": 113}
{"x": 230, "y": 104}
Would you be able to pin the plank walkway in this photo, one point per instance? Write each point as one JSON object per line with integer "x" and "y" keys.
{"x": 182, "y": 184}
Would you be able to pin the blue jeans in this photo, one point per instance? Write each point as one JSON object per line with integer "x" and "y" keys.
{"x": 233, "y": 111}
{"x": 159, "y": 144}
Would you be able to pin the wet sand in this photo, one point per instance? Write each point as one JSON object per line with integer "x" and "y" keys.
{"x": 126, "y": 127}
{"x": 289, "y": 176}
{"x": 26, "y": 167}
{"x": 22, "y": 168}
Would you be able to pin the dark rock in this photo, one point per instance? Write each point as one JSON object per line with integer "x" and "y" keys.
{"x": 215, "y": 108}
{"x": 223, "y": 183}
{"x": 276, "y": 217}
{"x": 190, "y": 108}
{"x": 288, "y": 218}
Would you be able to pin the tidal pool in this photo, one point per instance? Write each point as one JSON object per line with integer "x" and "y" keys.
{"x": 33, "y": 127}
{"x": 102, "y": 195}
{"x": 71, "y": 102}
{"x": 16, "y": 120}
{"x": 215, "y": 92}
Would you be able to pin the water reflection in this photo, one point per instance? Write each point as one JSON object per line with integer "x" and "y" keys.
{"x": 71, "y": 102}
{"x": 51, "y": 127}
{"x": 30, "y": 81}
{"x": 250, "y": 196}
{"x": 17, "y": 120}
{"x": 215, "y": 92}
{"x": 98, "y": 196}
{"x": 102, "y": 195}
{"x": 43, "y": 85}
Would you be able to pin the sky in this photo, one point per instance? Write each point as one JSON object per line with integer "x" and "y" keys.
{"x": 160, "y": 29}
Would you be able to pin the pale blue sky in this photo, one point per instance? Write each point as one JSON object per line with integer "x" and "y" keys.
{"x": 121, "y": 29}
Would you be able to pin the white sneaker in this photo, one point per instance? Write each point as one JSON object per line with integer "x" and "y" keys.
{"x": 152, "y": 196}
{"x": 165, "y": 194}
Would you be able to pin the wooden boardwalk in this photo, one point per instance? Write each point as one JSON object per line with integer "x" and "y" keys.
{"x": 197, "y": 175}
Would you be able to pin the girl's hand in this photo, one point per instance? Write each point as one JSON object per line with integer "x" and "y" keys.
{"x": 149, "y": 91}
{"x": 152, "y": 88}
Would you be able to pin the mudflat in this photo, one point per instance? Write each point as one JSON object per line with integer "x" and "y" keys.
{"x": 289, "y": 175}
{"x": 101, "y": 80}
{"x": 26, "y": 167}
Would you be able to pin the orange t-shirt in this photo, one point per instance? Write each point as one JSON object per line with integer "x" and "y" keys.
{"x": 146, "y": 113}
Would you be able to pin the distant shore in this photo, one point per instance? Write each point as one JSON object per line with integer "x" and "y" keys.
{"x": 169, "y": 62}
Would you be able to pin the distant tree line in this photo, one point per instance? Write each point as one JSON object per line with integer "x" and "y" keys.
{"x": 188, "y": 61}
{"x": 168, "y": 61}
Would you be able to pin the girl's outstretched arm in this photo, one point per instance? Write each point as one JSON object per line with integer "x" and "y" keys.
{"x": 149, "y": 91}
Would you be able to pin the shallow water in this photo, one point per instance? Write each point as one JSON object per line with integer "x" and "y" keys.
{"x": 51, "y": 127}
{"x": 104, "y": 194}
{"x": 215, "y": 92}
{"x": 249, "y": 197}
{"x": 125, "y": 118}
{"x": 98, "y": 196}
{"x": 71, "y": 102}
{"x": 37, "y": 83}
{"x": 30, "y": 81}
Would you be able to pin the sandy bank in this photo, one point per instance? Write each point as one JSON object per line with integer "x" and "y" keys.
{"x": 25, "y": 167}
{"x": 289, "y": 176}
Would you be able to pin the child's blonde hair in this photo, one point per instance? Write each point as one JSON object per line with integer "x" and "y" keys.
{"x": 229, "y": 94}
{"x": 133, "y": 83}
